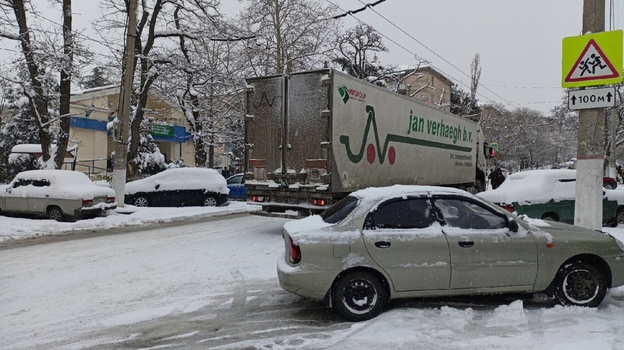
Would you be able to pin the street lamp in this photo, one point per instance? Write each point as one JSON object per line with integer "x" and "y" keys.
{"x": 87, "y": 113}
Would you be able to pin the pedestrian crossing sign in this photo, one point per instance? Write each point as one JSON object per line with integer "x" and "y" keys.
{"x": 593, "y": 59}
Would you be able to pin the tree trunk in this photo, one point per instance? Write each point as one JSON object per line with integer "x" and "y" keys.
{"x": 66, "y": 74}
{"x": 38, "y": 101}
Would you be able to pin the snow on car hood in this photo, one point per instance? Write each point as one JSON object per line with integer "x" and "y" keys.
{"x": 181, "y": 179}
{"x": 559, "y": 230}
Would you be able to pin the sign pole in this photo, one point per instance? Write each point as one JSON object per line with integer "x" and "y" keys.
{"x": 121, "y": 145}
{"x": 590, "y": 153}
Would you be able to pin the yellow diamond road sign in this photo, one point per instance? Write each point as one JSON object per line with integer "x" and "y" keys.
{"x": 593, "y": 59}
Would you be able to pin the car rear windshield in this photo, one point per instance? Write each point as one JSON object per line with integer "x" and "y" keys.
{"x": 339, "y": 210}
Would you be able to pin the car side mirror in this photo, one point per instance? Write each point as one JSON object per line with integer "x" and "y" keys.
{"x": 513, "y": 225}
{"x": 8, "y": 190}
{"x": 157, "y": 186}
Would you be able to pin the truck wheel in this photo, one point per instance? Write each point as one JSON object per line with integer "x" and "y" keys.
{"x": 359, "y": 296}
{"x": 55, "y": 213}
{"x": 141, "y": 201}
{"x": 581, "y": 284}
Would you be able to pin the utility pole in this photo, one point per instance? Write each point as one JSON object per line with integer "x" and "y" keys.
{"x": 125, "y": 96}
{"x": 590, "y": 153}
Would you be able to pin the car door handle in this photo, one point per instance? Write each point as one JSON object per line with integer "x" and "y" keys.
{"x": 466, "y": 244}
{"x": 382, "y": 244}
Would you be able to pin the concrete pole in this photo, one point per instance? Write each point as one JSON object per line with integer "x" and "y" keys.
{"x": 612, "y": 157}
{"x": 590, "y": 153}
{"x": 123, "y": 119}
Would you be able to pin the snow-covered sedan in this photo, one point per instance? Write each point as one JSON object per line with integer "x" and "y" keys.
{"x": 549, "y": 194}
{"x": 178, "y": 187}
{"x": 394, "y": 242}
{"x": 56, "y": 194}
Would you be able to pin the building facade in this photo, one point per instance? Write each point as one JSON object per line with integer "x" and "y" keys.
{"x": 426, "y": 85}
{"x": 93, "y": 112}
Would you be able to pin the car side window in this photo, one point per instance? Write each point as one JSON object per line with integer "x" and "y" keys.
{"x": 235, "y": 180}
{"x": 462, "y": 213}
{"x": 41, "y": 183}
{"x": 400, "y": 214}
{"x": 22, "y": 182}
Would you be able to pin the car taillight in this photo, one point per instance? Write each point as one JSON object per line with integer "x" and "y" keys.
{"x": 295, "y": 252}
{"x": 508, "y": 207}
{"x": 257, "y": 198}
{"x": 110, "y": 199}
{"x": 319, "y": 202}
{"x": 87, "y": 202}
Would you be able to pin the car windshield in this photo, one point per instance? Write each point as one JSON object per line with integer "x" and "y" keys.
{"x": 339, "y": 210}
{"x": 499, "y": 209}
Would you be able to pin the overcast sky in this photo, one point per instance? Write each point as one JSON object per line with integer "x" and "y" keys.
{"x": 519, "y": 41}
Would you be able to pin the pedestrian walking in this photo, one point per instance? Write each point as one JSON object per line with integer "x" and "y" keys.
{"x": 496, "y": 178}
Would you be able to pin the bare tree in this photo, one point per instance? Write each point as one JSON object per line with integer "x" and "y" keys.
{"x": 291, "y": 35}
{"x": 156, "y": 30}
{"x": 475, "y": 75}
{"x": 355, "y": 45}
{"x": 210, "y": 94}
{"x": 36, "y": 63}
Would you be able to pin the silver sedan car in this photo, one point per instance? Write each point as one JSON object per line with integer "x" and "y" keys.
{"x": 396, "y": 242}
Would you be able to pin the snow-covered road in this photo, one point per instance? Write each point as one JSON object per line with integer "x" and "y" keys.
{"x": 212, "y": 284}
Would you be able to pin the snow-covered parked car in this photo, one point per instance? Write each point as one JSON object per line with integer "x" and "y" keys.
{"x": 379, "y": 244}
{"x": 550, "y": 195}
{"x": 56, "y": 194}
{"x": 178, "y": 187}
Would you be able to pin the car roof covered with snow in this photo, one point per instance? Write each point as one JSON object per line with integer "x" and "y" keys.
{"x": 187, "y": 178}
{"x": 535, "y": 186}
{"x": 63, "y": 184}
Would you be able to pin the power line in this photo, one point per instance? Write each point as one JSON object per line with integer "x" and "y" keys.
{"x": 351, "y": 12}
{"x": 442, "y": 58}
{"x": 422, "y": 59}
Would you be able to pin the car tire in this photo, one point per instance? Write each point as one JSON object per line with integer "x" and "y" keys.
{"x": 141, "y": 201}
{"x": 580, "y": 284}
{"x": 619, "y": 217}
{"x": 210, "y": 201}
{"x": 359, "y": 296}
{"x": 55, "y": 213}
{"x": 550, "y": 217}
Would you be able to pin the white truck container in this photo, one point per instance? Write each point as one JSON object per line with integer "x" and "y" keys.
{"x": 314, "y": 137}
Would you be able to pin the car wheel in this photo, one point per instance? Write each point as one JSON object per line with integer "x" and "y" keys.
{"x": 619, "y": 217}
{"x": 550, "y": 217}
{"x": 55, "y": 213}
{"x": 210, "y": 201}
{"x": 580, "y": 284}
{"x": 141, "y": 201}
{"x": 359, "y": 296}
{"x": 608, "y": 187}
